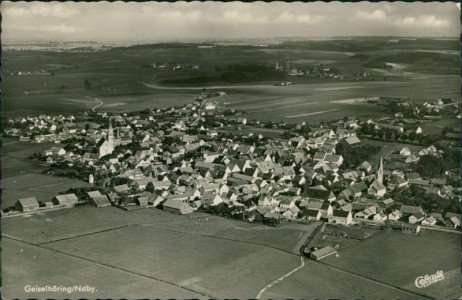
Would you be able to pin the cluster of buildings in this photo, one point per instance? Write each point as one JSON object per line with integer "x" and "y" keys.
{"x": 176, "y": 159}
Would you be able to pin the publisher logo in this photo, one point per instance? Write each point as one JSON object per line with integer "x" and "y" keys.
{"x": 427, "y": 280}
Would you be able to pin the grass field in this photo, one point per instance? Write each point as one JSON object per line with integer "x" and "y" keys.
{"x": 24, "y": 264}
{"x": 68, "y": 223}
{"x": 209, "y": 265}
{"x": 286, "y": 237}
{"x": 43, "y": 187}
{"x": 217, "y": 257}
{"x": 382, "y": 256}
{"x": 118, "y": 77}
{"x": 318, "y": 281}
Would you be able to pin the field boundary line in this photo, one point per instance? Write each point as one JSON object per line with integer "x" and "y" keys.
{"x": 81, "y": 235}
{"x": 219, "y": 238}
{"x": 425, "y": 296}
{"x": 119, "y": 269}
{"x": 281, "y": 278}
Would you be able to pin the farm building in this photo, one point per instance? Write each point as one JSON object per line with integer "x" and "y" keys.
{"x": 27, "y": 204}
{"x": 178, "y": 207}
{"x": 407, "y": 228}
{"x": 322, "y": 253}
{"x": 341, "y": 217}
{"x": 311, "y": 214}
{"x": 66, "y": 200}
{"x": 123, "y": 188}
{"x": 142, "y": 201}
{"x": 100, "y": 201}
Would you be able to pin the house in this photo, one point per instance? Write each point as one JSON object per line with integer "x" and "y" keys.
{"x": 410, "y": 210}
{"x": 319, "y": 192}
{"x": 416, "y": 218}
{"x": 178, "y": 207}
{"x": 291, "y": 213}
{"x": 352, "y": 140}
{"x": 407, "y": 228}
{"x": 377, "y": 189}
{"x": 405, "y": 151}
{"x": 65, "y": 200}
{"x": 100, "y": 201}
{"x": 211, "y": 199}
{"x": 358, "y": 188}
{"x": 365, "y": 166}
{"x": 322, "y": 253}
{"x": 455, "y": 222}
{"x": 381, "y": 217}
{"x": 123, "y": 188}
{"x": 395, "y": 215}
{"x": 341, "y": 217}
{"x": 429, "y": 221}
{"x": 142, "y": 200}
{"x": 311, "y": 214}
{"x": 27, "y": 204}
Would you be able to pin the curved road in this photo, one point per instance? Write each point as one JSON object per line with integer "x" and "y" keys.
{"x": 302, "y": 259}
{"x": 97, "y": 105}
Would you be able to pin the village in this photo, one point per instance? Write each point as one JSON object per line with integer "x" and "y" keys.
{"x": 181, "y": 160}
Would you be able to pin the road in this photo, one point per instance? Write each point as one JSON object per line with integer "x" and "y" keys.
{"x": 97, "y": 105}
{"x": 302, "y": 264}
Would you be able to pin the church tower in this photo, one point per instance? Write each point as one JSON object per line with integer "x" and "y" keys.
{"x": 380, "y": 172}
{"x": 110, "y": 135}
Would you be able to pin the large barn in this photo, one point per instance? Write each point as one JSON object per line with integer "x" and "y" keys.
{"x": 27, "y": 204}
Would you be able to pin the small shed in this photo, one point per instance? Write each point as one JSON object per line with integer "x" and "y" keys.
{"x": 27, "y": 204}
{"x": 322, "y": 253}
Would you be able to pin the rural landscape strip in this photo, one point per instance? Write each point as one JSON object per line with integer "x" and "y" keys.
{"x": 425, "y": 296}
{"x": 216, "y": 237}
{"x": 81, "y": 235}
{"x": 302, "y": 264}
{"x": 113, "y": 267}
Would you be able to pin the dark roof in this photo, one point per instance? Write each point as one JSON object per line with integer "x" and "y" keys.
{"x": 310, "y": 212}
{"x": 318, "y": 194}
{"x": 340, "y": 213}
{"x": 409, "y": 209}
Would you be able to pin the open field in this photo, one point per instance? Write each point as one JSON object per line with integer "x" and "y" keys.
{"x": 318, "y": 281}
{"x": 15, "y": 156}
{"x": 43, "y": 187}
{"x": 215, "y": 258}
{"x": 125, "y": 81}
{"x": 286, "y": 237}
{"x": 24, "y": 264}
{"x": 68, "y": 223}
{"x": 208, "y": 265}
{"x": 380, "y": 257}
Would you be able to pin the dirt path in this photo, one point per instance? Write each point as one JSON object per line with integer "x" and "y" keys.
{"x": 97, "y": 105}
{"x": 302, "y": 264}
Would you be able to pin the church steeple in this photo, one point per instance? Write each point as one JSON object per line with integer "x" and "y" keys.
{"x": 110, "y": 135}
{"x": 380, "y": 172}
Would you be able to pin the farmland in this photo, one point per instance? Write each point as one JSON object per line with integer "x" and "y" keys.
{"x": 227, "y": 253}
{"x": 379, "y": 258}
{"x": 38, "y": 266}
{"x": 124, "y": 79}
{"x": 43, "y": 187}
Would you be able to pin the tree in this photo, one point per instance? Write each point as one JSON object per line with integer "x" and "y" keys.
{"x": 87, "y": 84}
{"x": 150, "y": 187}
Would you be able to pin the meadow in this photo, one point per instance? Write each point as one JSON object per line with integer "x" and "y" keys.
{"x": 205, "y": 264}
{"x": 381, "y": 257}
{"x": 43, "y": 187}
{"x": 124, "y": 80}
{"x": 24, "y": 264}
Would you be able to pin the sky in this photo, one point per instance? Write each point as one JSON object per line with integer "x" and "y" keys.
{"x": 164, "y": 21}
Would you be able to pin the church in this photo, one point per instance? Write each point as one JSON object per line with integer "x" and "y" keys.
{"x": 106, "y": 145}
